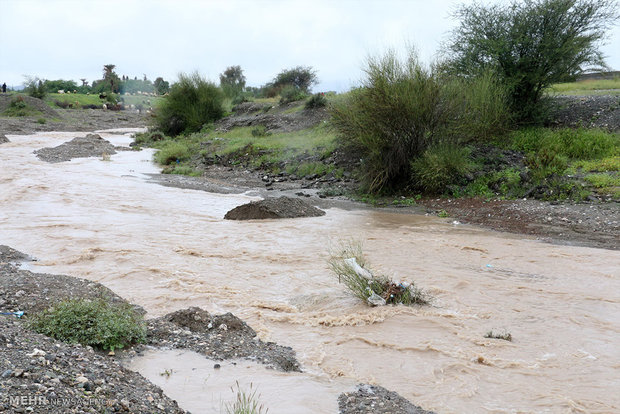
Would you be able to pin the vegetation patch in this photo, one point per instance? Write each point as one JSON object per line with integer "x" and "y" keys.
{"x": 352, "y": 269}
{"x": 245, "y": 402}
{"x": 98, "y": 323}
{"x": 18, "y": 108}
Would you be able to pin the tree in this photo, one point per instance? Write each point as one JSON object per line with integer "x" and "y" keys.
{"x": 300, "y": 77}
{"x": 531, "y": 45}
{"x": 111, "y": 82}
{"x": 232, "y": 81}
{"x": 161, "y": 86}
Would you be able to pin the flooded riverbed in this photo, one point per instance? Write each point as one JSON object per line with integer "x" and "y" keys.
{"x": 166, "y": 249}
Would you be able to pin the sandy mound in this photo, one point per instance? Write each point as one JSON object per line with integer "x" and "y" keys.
{"x": 92, "y": 145}
{"x": 273, "y": 208}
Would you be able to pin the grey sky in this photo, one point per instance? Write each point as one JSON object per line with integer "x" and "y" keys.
{"x": 73, "y": 39}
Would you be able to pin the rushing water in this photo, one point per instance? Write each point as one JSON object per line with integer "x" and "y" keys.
{"x": 167, "y": 249}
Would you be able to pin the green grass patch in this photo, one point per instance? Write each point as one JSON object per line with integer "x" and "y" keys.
{"x": 600, "y": 165}
{"x": 580, "y": 143}
{"x": 587, "y": 87}
{"x": 172, "y": 152}
{"x": 98, "y": 323}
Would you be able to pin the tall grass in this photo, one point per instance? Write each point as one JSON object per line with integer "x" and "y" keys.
{"x": 193, "y": 102}
{"x": 246, "y": 402}
{"x": 577, "y": 143}
{"x": 375, "y": 286}
{"x": 402, "y": 108}
{"x": 439, "y": 166}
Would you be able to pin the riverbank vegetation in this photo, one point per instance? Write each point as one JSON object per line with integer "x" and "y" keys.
{"x": 474, "y": 124}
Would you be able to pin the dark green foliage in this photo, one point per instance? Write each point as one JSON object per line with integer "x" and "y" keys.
{"x": 290, "y": 93}
{"x": 161, "y": 86}
{"x": 192, "y": 102}
{"x": 531, "y": 45}
{"x": 98, "y": 323}
{"x": 232, "y": 81}
{"x": 302, "y": 78}
{"x": 110, "y": 83}
{"x": 53, "y": 86}
{"x": 440, "y": 166}
{"x": 316, "y": 101}
{"x": 260, "y": 131}
{"x": 403, "y": 108}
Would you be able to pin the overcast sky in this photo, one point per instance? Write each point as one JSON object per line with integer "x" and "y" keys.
{"x": 73, "y": 39}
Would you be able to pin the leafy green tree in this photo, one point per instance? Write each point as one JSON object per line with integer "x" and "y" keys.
{"x": 232, "y": 81}
{"x": 300, "y": 77}
{"x": 54, "y": 86}
{"x": 531, "y": 45}
{"x": 110, "y": 82}
{"x": 161, "y": 86}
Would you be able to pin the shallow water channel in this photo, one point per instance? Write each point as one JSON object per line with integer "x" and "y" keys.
{"x": 167, "y": 249}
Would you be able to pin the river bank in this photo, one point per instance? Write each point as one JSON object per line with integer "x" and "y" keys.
{"x": 169, "y": 250}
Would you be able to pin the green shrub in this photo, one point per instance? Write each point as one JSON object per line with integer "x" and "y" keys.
{"x": 439, "y": 166}
{"x": 97, "y": 323}
{"x": 172, "y": 151}
{"x": 191, "y": 103}
{"x": 577, "y": 143}
{"x": 260, "y": 131}
{"x": 484, "y": 112}
{"x": 19, "y": 107}
{"x": 317, "y": 100}
{"x": 402, "y": 109}
{"x": 290, "y": 93}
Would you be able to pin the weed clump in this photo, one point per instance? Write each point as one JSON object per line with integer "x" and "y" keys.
{"x": 98, "y": 323}
{"x": 351, "y": 267}
{"x": 192, "y": 103}
{"x": 246, "y": 402}
{"x": 440, "y": 166}
{"x": 317, "y": 100}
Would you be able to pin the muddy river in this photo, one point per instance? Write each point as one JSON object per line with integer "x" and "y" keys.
{"x": 167, "y": 248}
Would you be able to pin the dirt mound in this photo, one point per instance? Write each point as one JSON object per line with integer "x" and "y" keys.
{"x": 376, "y": 400}
{"x": 273, "y": 118}
{"x": 273, "y": 208}
{"x": 36, "y": 104}
{"x": 217, "y": 337}
{"x": 92, "y": 145}
{"x": 3, "y": 139}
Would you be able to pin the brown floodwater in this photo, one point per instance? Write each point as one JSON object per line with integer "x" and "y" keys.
{"x": 167, "y": 248}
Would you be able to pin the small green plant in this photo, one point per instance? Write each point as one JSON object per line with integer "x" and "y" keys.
{"x": 260, "y": 131}
{"x": 316, "y": 101}
{"x": 352, "y": 269}
{"x": 246, "y": 402}
{"x": 440, "y": 166}
{"x": 506, "y": 336}
{"x": 290, "y": 93}
{"x": 98, "y": 323}
{"x": 167, "y": 373}
{"x": 172, "y": 152}
{"x": 18, "y": 107}
{"x": 443, "y": 214}
{"x": 41, "y": 121}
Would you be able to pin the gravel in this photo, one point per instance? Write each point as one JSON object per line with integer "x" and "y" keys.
{"x": 92, "y": 145}
{"x": 373, "y": 399}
